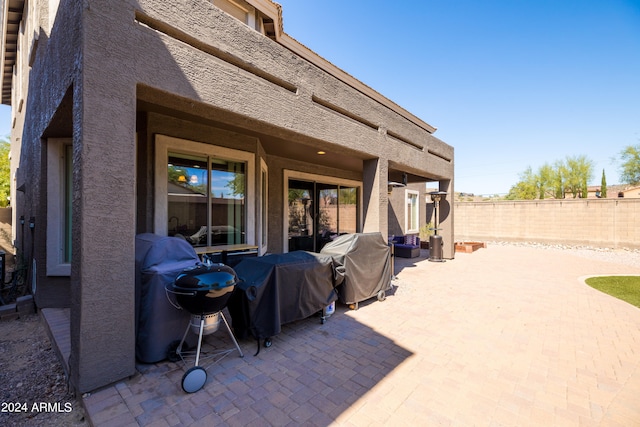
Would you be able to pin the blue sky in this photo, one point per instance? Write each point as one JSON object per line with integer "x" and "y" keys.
{"x": 508, "y": 83}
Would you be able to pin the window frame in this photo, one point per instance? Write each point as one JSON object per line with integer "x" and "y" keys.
{"x": 263, "y": 237}
{"x": 166, "y": 144}
{"x": 289, "y": 174}
{"x": 407, "y": 211}
{"x": 57, "y": 235}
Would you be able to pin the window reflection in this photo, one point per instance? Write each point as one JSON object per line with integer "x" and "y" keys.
{"x": 348, "y": 209}
{"x": 227, "y": 202}
{"x": 319, "y": 212}
{"x": 206, "y": 200}
{"x": 411, "y": 211}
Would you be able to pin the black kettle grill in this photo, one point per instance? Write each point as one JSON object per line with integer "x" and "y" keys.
{"x": 204, "y": 291}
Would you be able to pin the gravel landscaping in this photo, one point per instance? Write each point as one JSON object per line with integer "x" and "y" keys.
{"x": 629, "y": 257}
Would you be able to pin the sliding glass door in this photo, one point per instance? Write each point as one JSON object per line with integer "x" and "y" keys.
{"x": 301, "y": 215}
{"x": 319, "y": 212}
{"x": 327, "y": 214}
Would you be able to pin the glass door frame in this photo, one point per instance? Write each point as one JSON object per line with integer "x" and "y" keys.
{"x": 316, "y": 179}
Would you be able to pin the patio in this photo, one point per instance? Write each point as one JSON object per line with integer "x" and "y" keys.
{"x": 507, "y": 335}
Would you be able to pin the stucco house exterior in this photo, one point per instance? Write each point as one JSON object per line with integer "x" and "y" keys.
{"x": 629, "y": 192}
{"x": 616, "y": 191}
{"x": 199, "y": 118}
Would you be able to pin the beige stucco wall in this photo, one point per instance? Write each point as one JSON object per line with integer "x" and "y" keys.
{"x": 600, "y": 223}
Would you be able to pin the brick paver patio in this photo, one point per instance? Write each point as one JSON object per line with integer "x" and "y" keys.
{"x": 505, "y": 336}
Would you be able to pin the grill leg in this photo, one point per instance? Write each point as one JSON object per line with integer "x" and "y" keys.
{"x": 231, "y": 334}
{"x": 184, "y": 337}
{"x": 200, "y": 339}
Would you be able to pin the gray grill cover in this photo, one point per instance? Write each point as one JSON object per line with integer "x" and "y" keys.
{"x": 159, "y": 260}
{"x": 365, "y": 261}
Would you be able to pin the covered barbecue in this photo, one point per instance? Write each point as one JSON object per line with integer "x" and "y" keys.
{"x": 278, "y": 289}
{"x": 365, "y": 261}
{"x": 159, "y": 260}
{"x": 203, "y": 291}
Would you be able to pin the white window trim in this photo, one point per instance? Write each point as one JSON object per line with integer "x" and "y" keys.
{"x": 325, "y": 179}
{"x": 231, "y": 6}
{"x": 164, "y": 144}
{"x": 264, "y": 203}
{"x": 407, "y": 211}
{"x": 56, "y": 266}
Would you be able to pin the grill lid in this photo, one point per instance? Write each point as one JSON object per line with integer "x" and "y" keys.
{"x": 205, "y": 278}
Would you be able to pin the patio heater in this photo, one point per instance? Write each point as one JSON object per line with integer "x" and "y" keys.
{"x": 435, "y": 241}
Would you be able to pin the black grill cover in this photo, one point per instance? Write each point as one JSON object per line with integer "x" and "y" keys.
{"x": 277, "y": 289}
{"x": 365, "y": 261}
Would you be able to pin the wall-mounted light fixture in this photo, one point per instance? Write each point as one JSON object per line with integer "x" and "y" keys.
{"x": 393, "y": 184}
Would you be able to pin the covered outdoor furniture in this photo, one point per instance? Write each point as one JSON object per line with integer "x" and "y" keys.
{"x": 277, "y": 289}
{"x": 365, "y": 261}
{"x": 159, "y": 260}
{"x": 406, "y": 246}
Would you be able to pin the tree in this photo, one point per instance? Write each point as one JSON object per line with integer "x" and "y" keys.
{"x": 630, "y": 167}
{"x": 579, "y": 171}
{"x": 603, "y": 186}
{"x": 236, "y": 184}
{"x": 554, "y": 180}
{"x": 525, "y": 189}
{"x": 5, "y": 180}
{"x": 545, "y": 180}
{"x": 558, "y": 179}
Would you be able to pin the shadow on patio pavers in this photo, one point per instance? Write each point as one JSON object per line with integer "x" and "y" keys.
{"x": 312, "y": 373}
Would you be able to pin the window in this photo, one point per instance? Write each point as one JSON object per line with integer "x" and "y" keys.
{"x": 239, "y": 10}
{"x": 412, "y": 212}
{"x": 348, "y": 209}
{"x": 59, "y": 206}
{"x": 204, "y": 193}
{"x": 264, "y": 207}
{"x": 206, "y": 199}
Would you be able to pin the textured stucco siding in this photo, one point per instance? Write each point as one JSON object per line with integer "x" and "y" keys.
{"x": 104, "y": 144}
{"x": 97, "y": 61}
{"x": 168, "y": 64}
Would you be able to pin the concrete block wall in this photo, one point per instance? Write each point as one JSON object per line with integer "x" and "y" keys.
{"x": 608, "y": 223}
{"x": 23, "y": 306}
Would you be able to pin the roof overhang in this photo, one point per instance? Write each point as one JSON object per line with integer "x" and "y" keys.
{"x": 12, "y": 11}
